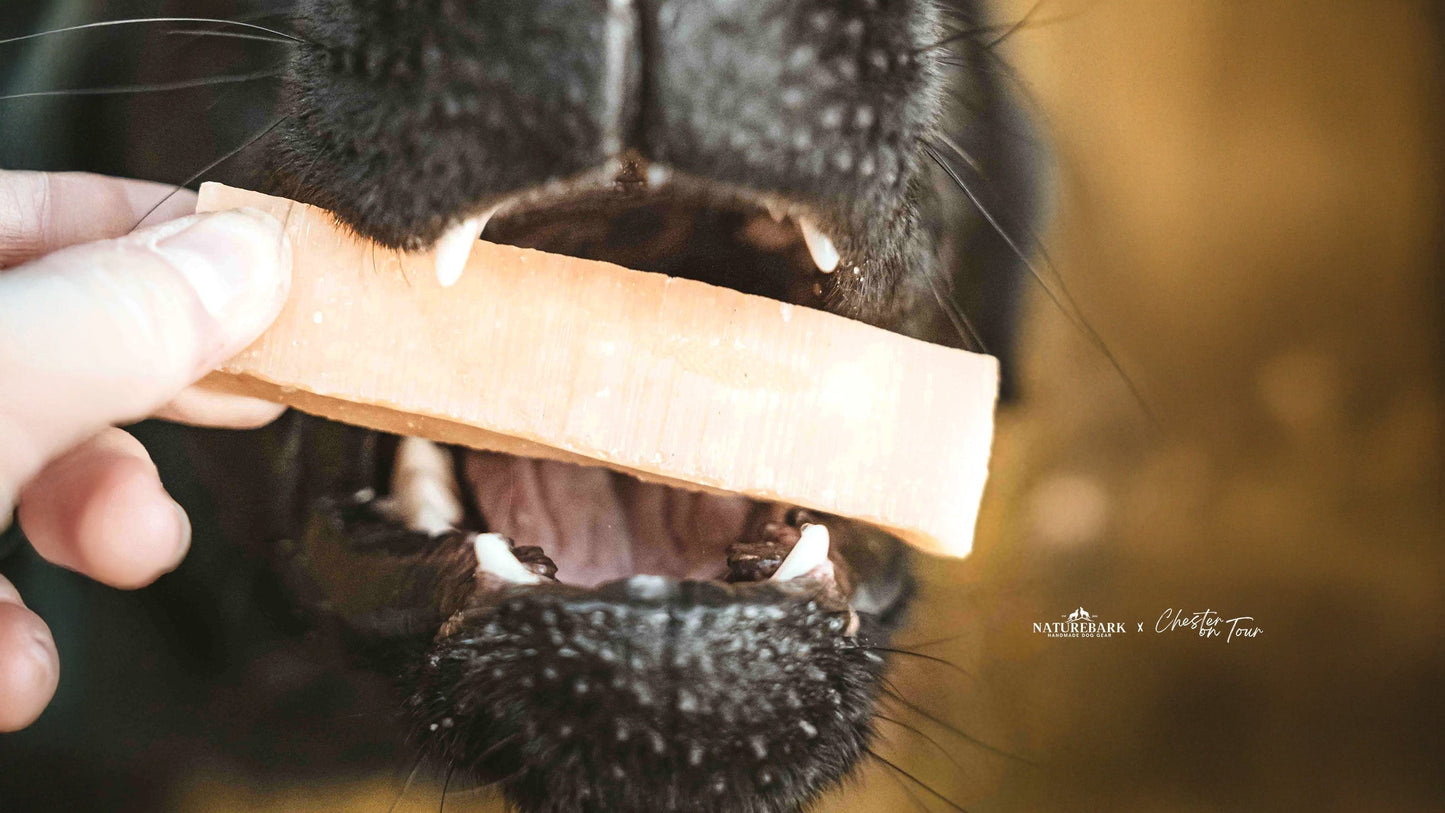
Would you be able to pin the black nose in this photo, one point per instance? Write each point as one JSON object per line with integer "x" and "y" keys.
{"x": 406, "y": 113}
{"x": 651, "y": 694}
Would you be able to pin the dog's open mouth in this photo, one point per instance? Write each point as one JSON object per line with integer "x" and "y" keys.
{"x": 514, "y": 523}
{"x": 609, "y": 138}
{"x": 598, "y": 525}
{"x": 532, "y": 521}
{"x": 647, "y": 218}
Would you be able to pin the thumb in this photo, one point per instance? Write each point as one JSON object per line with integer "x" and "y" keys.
{"x": 107, "y": 332}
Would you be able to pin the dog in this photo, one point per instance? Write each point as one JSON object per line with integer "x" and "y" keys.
{"x": 577, "y": 639}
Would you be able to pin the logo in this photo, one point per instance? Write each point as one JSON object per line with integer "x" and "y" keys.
{"x": 1207, "y": 624}
{"x": 1079, "y": 623}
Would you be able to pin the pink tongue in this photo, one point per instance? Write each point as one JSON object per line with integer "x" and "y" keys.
{"x": 599, "y": 525}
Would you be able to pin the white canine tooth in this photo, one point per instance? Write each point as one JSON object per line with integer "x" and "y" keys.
{"x": 809, "y": 554}
{"x": 424, "y": 490}
{"x": 825, "y": 254}
{"x": 495, "y": 557}
{"x": 455, "y": 248}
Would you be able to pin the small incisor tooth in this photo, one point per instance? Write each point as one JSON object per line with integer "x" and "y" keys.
{"x": 495, "y": 557}
{"x": 809, "y": 554}
{"x": 825, "y": 254}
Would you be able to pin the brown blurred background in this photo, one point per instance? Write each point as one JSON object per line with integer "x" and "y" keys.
{"x": 1249, "y": 216}
{"x": 1249, "y": 210}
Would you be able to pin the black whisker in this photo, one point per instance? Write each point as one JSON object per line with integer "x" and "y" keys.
{"x": 998, "y": 228}
{"x": 921, "y": 656}
{"x": 934, "y": 642}
{"x": 502, "y": 782}
{"x": 223, "y": 159}
{"x": 411, "y": 777}
{"x": 892, "y": 692}
{"x": 120, "y": 90}
{"x": 917, "y": 802}
{"x": 955, "y": 36}
{"x": 1006, "y": 30}
{"x": 921, "y": 733}
{"x": 917, "y": 781}
{"x": 442, "y": 806}
{"x": 961, "y": 153}
{"x": 971, "y": 31}
{"x": 143, "y": 20}
{"x": 229, "y": 35}
{"x": 1061, "y": 299}
{"x": 1017, "y": 26}
{"x": 972, "y": 339}
{"x": 494, "y": 748}
{"x": 474, "y": 791}
{"x": 220, "y": 97}
{"x": 296, "y": 188}
{"x": 913, "y": 797}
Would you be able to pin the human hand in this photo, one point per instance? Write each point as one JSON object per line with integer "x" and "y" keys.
{"x": 95, "y": 334}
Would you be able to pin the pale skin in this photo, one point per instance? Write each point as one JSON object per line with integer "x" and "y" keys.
{"x": 101, "y": 326}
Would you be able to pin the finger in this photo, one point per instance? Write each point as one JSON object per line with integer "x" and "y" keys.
{"x": 99, "y": 509}
{"x": 107, "y": 333}
{"x": 41, "y": 212}
{"x": 29, "y": 665}
{"x": 198, "y": 406}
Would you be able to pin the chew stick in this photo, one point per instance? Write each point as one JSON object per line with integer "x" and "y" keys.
{"x": 670, "y": 380}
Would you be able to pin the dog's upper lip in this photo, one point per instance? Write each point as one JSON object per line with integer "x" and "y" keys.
{"x": 628, "y": 176}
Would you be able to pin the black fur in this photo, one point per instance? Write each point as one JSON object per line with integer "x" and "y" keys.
{"x": 408, "y": 115}
{"x": 650, "y": 695}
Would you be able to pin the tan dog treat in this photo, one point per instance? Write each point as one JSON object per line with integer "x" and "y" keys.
{"x": 668, "y": 379}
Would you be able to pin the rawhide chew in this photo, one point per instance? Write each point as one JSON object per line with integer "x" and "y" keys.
{"x": 670, "y": 380}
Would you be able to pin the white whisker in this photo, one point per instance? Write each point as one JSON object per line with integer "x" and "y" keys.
{"x": 141, "y": 20}
{"x": 121, "y": 90}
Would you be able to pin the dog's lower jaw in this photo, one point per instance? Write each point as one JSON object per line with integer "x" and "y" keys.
{"x": 648, "y": 693}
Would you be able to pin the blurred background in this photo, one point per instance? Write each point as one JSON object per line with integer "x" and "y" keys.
{"x": 1250, "y": 217}
{"x": 1248, "y": 214}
